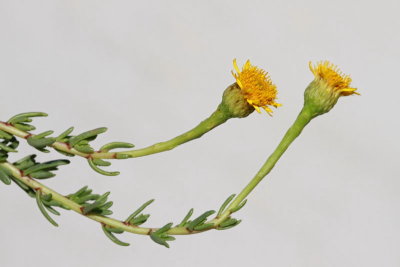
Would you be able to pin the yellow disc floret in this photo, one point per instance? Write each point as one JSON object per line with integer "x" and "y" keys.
{"x": 335, "y": 79}
{"x": 257, "y": 86}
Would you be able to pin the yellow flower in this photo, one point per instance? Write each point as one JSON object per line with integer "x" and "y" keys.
{"x": 256, "y": 86}
{"x": 328, "y": 85}
{"x": 335, "y": 79}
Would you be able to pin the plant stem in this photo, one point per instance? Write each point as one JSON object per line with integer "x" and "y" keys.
{"x": 68, "y": 203}
{"x": 304, "y": 117}
{"x": 216, "y": 119}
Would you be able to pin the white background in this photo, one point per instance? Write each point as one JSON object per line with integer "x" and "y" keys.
{"x": 149, "y": 70}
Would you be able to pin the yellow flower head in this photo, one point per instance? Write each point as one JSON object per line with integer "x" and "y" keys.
{"x": 332, "y": 75}
{"x": 328, "y": 85}
{"x": 256, "y": 86}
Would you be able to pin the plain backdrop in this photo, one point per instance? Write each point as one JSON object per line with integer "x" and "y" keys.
{"x": 149, "y": 70}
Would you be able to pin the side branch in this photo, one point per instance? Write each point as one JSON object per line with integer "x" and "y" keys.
{"x": 110, "y": 225}
{"x": 79, "y": 145}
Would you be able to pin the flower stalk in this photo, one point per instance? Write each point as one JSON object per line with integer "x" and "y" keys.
{"x": 217, "y": 118}
{"x": 304, "y": 117}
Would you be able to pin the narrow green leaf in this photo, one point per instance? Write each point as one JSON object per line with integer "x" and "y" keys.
{"x": 86, "y": 198}
{"x": 87, "y": 208}
{"x": 41, "y": 143}
{"x": 6, "y": 171}
{"x": 228, "y": 227}
{"x": 42, "y": 175}
{"x": 113, "y": 238}
{"x": 107, "y": 205}
{"x": 229, "y": 223}
{"x": 168, "y": 238}
{"x": 7, "y": 148}
{"x": 200, "y": 220}
{"x": 49, "y": 165}
{"x": 241, "y": 205}
{"x": 159, "y": 240}
{"x": 24, "y": 127}
{"x": 87, "y": 135}
{"x": 114, "y": 145}
{"x": 139, "y": 210}
{"x": 49, "y": 208}
{"x": 84, "y": 148}
{"x": 44, "y": 134}
{"x": 226, "y": 202}
{"x": 103, "y": 172}
{"x": 103, "y": 198}
{"x": 5, "y": 135}
{"x": 63, "y": 135}
{"x": 25, "y": 162}
{"x": 42, "y": 209}
{"x": 100, "y": 162}
{"x": 53, "y": 203}
{"x": 105, "y": 212}
{"x": 4, "y": 177}
{"x": 140, "y": 219}
{"x": 164, "y": 229}
{"x": 81, "y": 191}
{"x": 25, "y": 117}
{"x": 186, "y": 219}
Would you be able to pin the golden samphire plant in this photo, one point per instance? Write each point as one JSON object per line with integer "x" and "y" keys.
{"x": 252, "y": 90}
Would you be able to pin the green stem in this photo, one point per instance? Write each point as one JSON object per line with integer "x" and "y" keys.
{"x": 68, "y": 203}
{"x": 216, "y": 119}
{"x": 292, "y": 133}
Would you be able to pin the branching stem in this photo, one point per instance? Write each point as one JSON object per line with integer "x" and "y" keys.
{"x": 220, "y": 221}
